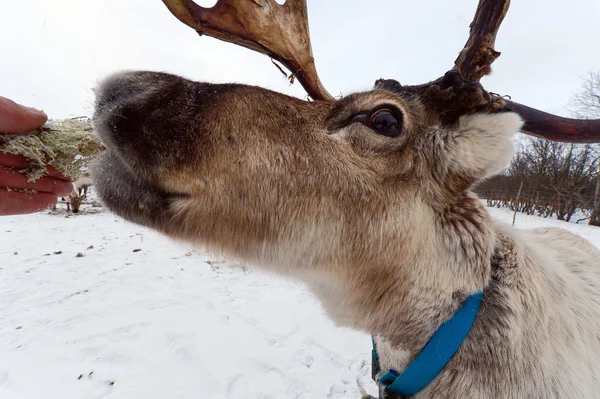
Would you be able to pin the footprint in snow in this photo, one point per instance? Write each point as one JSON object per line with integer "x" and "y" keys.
{"x": 354, "y": 382}
{"x": 3, "y": 377}
{"x": 266, "y": 382}
{"x": 304, "y": 357}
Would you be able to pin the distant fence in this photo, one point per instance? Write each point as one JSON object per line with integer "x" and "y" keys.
{"x": 542, "y": 202}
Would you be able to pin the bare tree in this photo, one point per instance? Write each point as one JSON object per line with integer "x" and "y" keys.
{"x": 585, "y": 104}
{"x": 559, "y": 180}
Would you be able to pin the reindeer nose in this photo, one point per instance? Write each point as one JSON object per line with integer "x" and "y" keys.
{"x": 119, "y": 88}
{"x": 144, "y": 118}
{"x": 128, "y": 102}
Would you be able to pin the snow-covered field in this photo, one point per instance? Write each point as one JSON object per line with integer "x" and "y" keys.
{"x": 164, "y": 322}
{"x": 137, "y": 316}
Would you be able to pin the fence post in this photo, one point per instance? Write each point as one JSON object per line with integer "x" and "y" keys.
{"x": 516, "y": 202}
{"x": 595, "y": 216}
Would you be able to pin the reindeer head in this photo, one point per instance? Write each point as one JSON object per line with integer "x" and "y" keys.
{"x": 328, "y": 191}
{"x": 358, "y": 197}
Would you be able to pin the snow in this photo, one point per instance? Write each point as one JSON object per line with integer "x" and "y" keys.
{"x": 524, "y": 221}
{"x": 166, "y": 321}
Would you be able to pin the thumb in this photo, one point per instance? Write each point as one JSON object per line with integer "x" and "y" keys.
{"x": 15, "y": 118}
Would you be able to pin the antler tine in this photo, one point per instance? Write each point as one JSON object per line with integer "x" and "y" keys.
{"x": 279, "y": 31}
{"x": 476, "y": 58}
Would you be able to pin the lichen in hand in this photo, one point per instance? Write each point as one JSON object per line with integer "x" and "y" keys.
{"x": 68, "y": 145}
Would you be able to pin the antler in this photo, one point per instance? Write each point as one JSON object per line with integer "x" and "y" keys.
{"x": 455, "y": 96}
{"x": 279, "y": 31}
{"x": 556, "y": 128}
{"x": 476, "y": 58}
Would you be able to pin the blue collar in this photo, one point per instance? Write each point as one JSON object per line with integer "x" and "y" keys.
{"x": 434, "y": 356}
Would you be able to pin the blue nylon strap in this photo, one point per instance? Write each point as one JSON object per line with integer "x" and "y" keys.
{"x": 436, "y": 354}
{"x": 375, "y": 367}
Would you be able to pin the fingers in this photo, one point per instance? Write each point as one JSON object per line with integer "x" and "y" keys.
{"x": 15, "y": 203}
{"x": 13, "y": 179}
{"x": 17, "y": 162}
{"x": 16, "y": 118}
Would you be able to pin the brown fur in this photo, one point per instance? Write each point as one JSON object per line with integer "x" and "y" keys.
{"x": 383, "y": 230}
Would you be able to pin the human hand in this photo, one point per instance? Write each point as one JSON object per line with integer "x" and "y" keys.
{"x": 42, "y": 193}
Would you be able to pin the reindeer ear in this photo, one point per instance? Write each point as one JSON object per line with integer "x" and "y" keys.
{"x": 480, "y": 146}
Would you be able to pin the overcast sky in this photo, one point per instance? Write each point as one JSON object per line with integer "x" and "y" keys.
{"x": 54, "y": 52}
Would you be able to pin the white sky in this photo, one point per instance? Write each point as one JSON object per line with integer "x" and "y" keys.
{"x": 53, "y": 52}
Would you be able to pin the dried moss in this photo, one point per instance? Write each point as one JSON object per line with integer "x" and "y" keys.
{"x": 69, "y": 145}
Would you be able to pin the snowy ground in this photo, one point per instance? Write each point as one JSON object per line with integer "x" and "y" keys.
{"x": 140, "y": 317}
{"x": 163, "y": 322}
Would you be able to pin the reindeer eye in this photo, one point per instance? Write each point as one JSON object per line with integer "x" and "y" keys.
{"x": 386, "y": 121}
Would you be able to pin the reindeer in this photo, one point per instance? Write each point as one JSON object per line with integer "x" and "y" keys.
{"x": 83, "y": 186}
{"x": 367, "y": 200}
